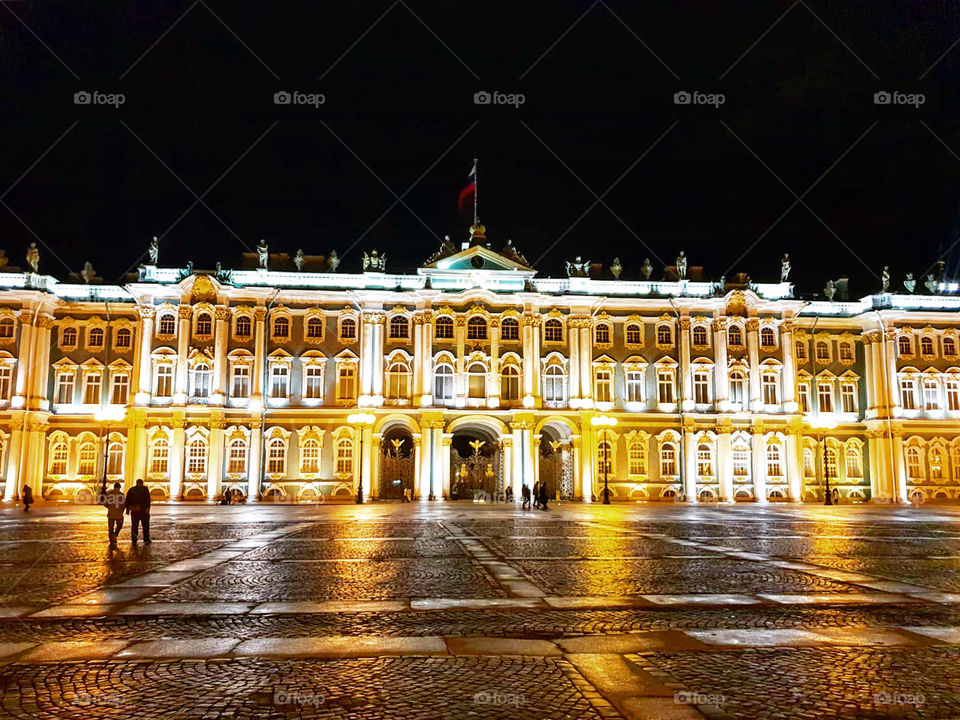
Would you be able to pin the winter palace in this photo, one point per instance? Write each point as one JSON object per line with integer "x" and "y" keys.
{"x": 290, "y": 381}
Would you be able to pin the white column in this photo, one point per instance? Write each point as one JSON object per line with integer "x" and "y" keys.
{"x": 215, "y": 465}
{"x": 183, "y": 344}
{"x": 417, "y": 470}
{"x": 259, "y": 354}
{"x": 219, "y": 395}
{"x": 427, "y": 350}
{"x": 725, "y": 464}
{"x": 753, "y": 349}
{"x": 377, "y": 357}
{"x": 144, "y": 374}
{"x": 789, "y": 378}
{"x": 418, "y": 357}
{"x": 893, "y": 387}
{"x": 794, "y": 466}
{"x": 442, "y": 449}
{"x": 586, "y": 360}
{"x": 576, "y": 442}
{"x": 28, "y": 334}
{"x": 721, "y": 374}
{"x": 460, "y": 380}
{"x": 530, "y": 356}
{"x": 574, "y": 336}
{"x": 254, "y": 465}
{"x": 13, "y": 456}
{"x": 493, "y": 386}
{"x": 758, "y": 456}
{"x": 690, "y": 467}
{"x": 686, "y": 379}
{"x": 175, "y": 458}
{"x": 40, "y": 367}
{"x": 509, "y": 477}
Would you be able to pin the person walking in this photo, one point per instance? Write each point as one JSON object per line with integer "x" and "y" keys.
{"x": 525, "y": 494}
{"x": 27, "y": 497}
{"x": 114, "y": 502}
{"x": 138, "y": 505}
{"x": 536, "y": 494}
{"x": 543, "y": 496}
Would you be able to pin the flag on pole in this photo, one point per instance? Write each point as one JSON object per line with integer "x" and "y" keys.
{"x": 470, "y": 190}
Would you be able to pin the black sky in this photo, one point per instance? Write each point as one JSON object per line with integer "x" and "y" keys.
{"x": 199, "y": 80}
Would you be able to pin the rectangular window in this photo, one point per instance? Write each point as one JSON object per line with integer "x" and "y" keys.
{"x": 313, "y": 382}
{"x": 931, "y": 394}
{"x": 164, "y": 380}
{"x": 665, "y": 386}
{"x": 848, "y": 398}
{"x": 604, "y": 385}
{"x": 738, "y": 388}
{"x": 241, "y": 381}
{"x": 345, "y": 456}
{"x": 825, "y": 397}
{"x": 953, "y": 394}
{"x": 120, "y": 390}
{"x": 64, "y": 392}
{"x": 634, "y": 386}
{"x": 6, "y": 377}
{"x": 768, "y": 384}
{"x": 741, "y": 462}
{"x": 701, "y": 388}
{"x": 908, "y": 394}
{"x": 279, "y": 381}
{"x": 346, "y": 382}
{"x": 804, "y": 389}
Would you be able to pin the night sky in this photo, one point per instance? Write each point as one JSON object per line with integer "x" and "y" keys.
{"x": 399, "y": 120}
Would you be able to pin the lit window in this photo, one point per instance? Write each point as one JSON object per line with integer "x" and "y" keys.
{"x": 279, "y": 380}
{"x": 200, "y": 381}
{"x": 768, "y": 339}
{"x": 664, "y": 335}
{"x": 668, "y": 460}
{"x": 310, "y": 456}
{"x": 914, "y": 471}
{"x": 197, "y": 457}
{"x": 903, "y": 345}
{"x": 604, "y": 459}
{"x": 699, "y": 335}
{"x": 237, "y": 460}
{"x": 949, "y": 346}
{"x": 800, "y": 350}
{"x": 634, "y": 334}
{"x": 399, "y": 328}
{"x": 159, "y": 454}
{"x": 277, "y": 457}
{"x": 665, "y": 386}
{"x": 477, "y": 380}
{"x": 204, "y": 324}
{"x": 241, "y": 381}
{"x": 348, "y": 329}
{"x": 601, "y": 334}
{"x": 735, "y": 336}
{"x": 936, "y": 464}
{"x": 96, "y": 337}
{"x": 908, "y": 393}
{"x": 58, "y": 458}
{"x": 115, "y": 459}
{"x": 825, "y": 397}
{"x": 64, "y": 391}
{"x": 931, "y": 394}
{"x": 634, "y": 380}
{"x": 509, "y": 383}
{"x": 87, "y": 459}
{"x": 738, "y": 387}
{"x": 124, "y": 339}
{"x": 701, "y": 387}
{"x": 848, "y": 397}
{"x": 167, "y": 325}
{"x": 603, "y": 384}
{"x": 120, "y": 390}
{"x": 769, "y": 385}
{"x": 281, "y": 328}
{"x": 637, "y": 458}
{"x": 830, "y": 463}
{"x": 774, "y": 464}
{"x": 477, "y": 328}
{"x": 741, "y": 460}
{"x": 553, "y": 330}
{"x": 846, "y": 351}
{"x": 443, "y": 383}
{"x": 7, "y": 328}
{"x": 554, "y": 385}
{"x": 926, "y": 345}
{"x": 704, "y": 460}
{"x": 398, "y": 380}
{"x": 344, "y": 456}
{"x": 854, "y": 467}
{"x": 68, "y": 337}
{"x": 6, "y": 381}
{"x": 313, "y": 382}
{"x": 509, "y": 329}
{"x": 244, "y": 326}
{"x": 346, "y": 381}
{"x": 804, "y": 390}
{"x": 953, "y": 393}
{"x": 809, "y": 467}
{"x": 444, "y": 328}
{"x": 315, "y": 328}
{"x": 92, "y": 384}
{"x": 823, "y": 351}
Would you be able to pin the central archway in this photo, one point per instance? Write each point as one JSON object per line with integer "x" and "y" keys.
{"x": 396, "y": 464}
{"x": 476, "y": 459}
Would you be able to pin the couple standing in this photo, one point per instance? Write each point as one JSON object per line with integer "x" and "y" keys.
{"x": 136, "y": 503}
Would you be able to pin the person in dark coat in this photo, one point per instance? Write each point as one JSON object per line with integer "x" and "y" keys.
{"x": 138, "y": 507}
{"x": 543, "y": 496}
{"x": 112, "y": 500}
{"x": 27, "y": 497}
{"x": 525, "y": 494}
{"x": 536, "y": 494}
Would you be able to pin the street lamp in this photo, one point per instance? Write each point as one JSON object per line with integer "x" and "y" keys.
{"x": 822, "y": 423}
{"x": 361, "y": 421}
{"x": 606, "y": 422}
{"x": 106, "y": 415}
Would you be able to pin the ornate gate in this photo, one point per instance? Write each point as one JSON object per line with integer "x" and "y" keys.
{"x": 556, "y": 470}
{"x": 474, "y": 474}
{"x": 396, "y": 470}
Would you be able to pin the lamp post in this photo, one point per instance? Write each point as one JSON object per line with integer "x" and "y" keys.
{"x": 822, "y": 423}
{"x": 106, "y": 415}
{"x": 606, "y": 422}
{"x": 361, "y": 421}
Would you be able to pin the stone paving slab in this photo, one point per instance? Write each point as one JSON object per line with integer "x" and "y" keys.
{"x": 500, "y": 646}
{"x": 340, "y": 647}
{"x": 186, "y": 608}
{"x": 70, "y": 611}
{"x": 14, "y": 648}
{"x": 949, "y": 635}
{"x": 176, "y": 649}
{"x": 76, "y": 650}
{"x": 336, "y": 606}
{"x": 632, "y": 642}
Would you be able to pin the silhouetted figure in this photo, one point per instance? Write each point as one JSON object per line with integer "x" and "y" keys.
{"x": 525, "y": 494}
{"x": 138, "y": 505}
{"x": 536, "y": 494}
{"x": 27, "y": 497}
{"x": 113, "y": 500}
{"x": 543, "y": 496}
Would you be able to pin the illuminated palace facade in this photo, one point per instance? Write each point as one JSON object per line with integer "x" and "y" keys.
{"x": 477, "y": 376}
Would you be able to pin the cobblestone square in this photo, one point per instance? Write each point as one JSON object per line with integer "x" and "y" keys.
{"x": 453, "y": 610}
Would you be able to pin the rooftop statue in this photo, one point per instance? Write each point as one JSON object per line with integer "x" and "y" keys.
{"x": 616, "y": 269}
{"x": 263, "y": 254}
{"x": 88, "y": 273}
{"x": 681, "y": 266}
{"x": 885, "y": 279}
{"x": 33, "y": 257}
{"x": 153, "y": 251}
{"x": 298, "y": 259}
{"x": 374, "y": 262}
{"x": 785, "y": 268}
{"x": 333, "y": 261}
{"x": 647, "y": 269}
{"x": 931, "y": 284}
{"x": 909, "y": 283}
{"x": 578, "y": 268}
{"x": 830, "y": 290}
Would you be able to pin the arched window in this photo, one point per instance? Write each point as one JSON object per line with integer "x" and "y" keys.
{"x": 637, "y": 458}
{"x": 348, "y": 329}
{"x": 604, "y": 458}
{"x": 800, "y": 350}
{"x": 914, "y": 468}
{"x": 735, "y": 336}
{"x": 87, "y": 464}
{"x": 830, "y": 463}
{"x": 159, "y": 454}
{"x": 768, "y": 338}
{"x": 277, "y": 457}
{"x": 926, "y": 345}
{"x": 822, "y": 349}
{"x": 634, "y": 334}
{"x": 664, "y": 334}
{"x": 115, "y": 459}
{"x": 96, "y": 337}
{"x": 399, "y": 328}
{"x": 167, "y": 324}
{"x": 477, "y": 380}
{"x": 197, "y": 456}
{"x": 553, "y": 330}
{"x": 738, "y": 387}
{"x": 601, "y": 334}
{"x": 204, "y": 324}
{"x": 846, "y": 351}
{"x": 68, "y": 337}
{"x": 809, "y": 466}
{"x": 704, "y": 460}
{"x": 281, "y": 327}
{"x": 477, "y": 328}
{"x": 509, "y": 329}
{"x": 398, "y": 380}
{"x": 949, "y": 346}
{"x": 903, "y": 345}
{"x": 443, "y": 329}
{"x": 7, "y": 328}
{"x": 668, "y": 460}
{"x": 123, "y": 339}
{"x": 58, "y": 458}
{"x": 344, "y": 450}
{"x": 699, "y": 335}
{"x": 315, "y": 328}
{"x": 443, "y": 383}
{"x": 854, "y": 468}
{"x": 200, "y": 380}
{"x": 955, "y": 462}
{"x": 237, "y": 458}
{"x": 740, "y": 451}
{"x": 310, "y": 456}
{"x": 774, "y": 461}
{"x": 509, "y": 383}
{"x": 936, "y": 464}
{"x": 554, "y": 385}
{"x": 244, "y": 326}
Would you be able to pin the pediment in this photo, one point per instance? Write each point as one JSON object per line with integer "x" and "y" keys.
{"x": 477, "y": 258}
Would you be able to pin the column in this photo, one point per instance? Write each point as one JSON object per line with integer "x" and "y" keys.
{"x": 578, "y": 493}
{"x": 366, "y": 359}
{"x": 215, "y": 465}
{"x": 586, "y": 360}
{"x": 869, "y": 378}
{"x": 529, "y": 355}
{"x": 523, "y": 445}
{"x": 460, "y": 380}
{"x": 175, "y": 458}
{"x": 418, "y": 358}
{"x": 794, "y": 461}
{"x": 219, "y": 395}
{"x": 34, "y": 467}
{"x": 183, "y": 345}
{"x": 493, "y": 386}
{"x": 254, "y": 476}
{"x": 427, "y": 381}
{"x": 753, "y": 350}
{"x": 372, "y": 480}
{"x": 417, "y": 460}
{"x": 690, "y": 466}
{"x": 136, "y": 454}
{"x": 686, "y": 380}
{"x": 893, "y": 387}
{"x": 379, "y": 322}
{"x": 899, "y": 468}
{"x": 535, "y": 348}
{"x": 259, "y": 356}
{"x": 13, "y": 456}
{"x": 24, "y": 365}
{"x": 442, "y": 448}
{"x": 40, "y": 365}
{"x": 144, "y": 372}
{"x": 725, "y": 462}
{"x": 788, "y": 379}
{"x": 509, "y": 478}
{"x": 721, "y": 375}
{"x": 574, "y": 342}
{"x": 758, "y": 458}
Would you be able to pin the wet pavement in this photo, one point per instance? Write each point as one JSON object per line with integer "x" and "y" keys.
{"x": 452, "y": 610}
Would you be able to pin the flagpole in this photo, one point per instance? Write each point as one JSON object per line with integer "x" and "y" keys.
{"x": 476, "y": 188}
